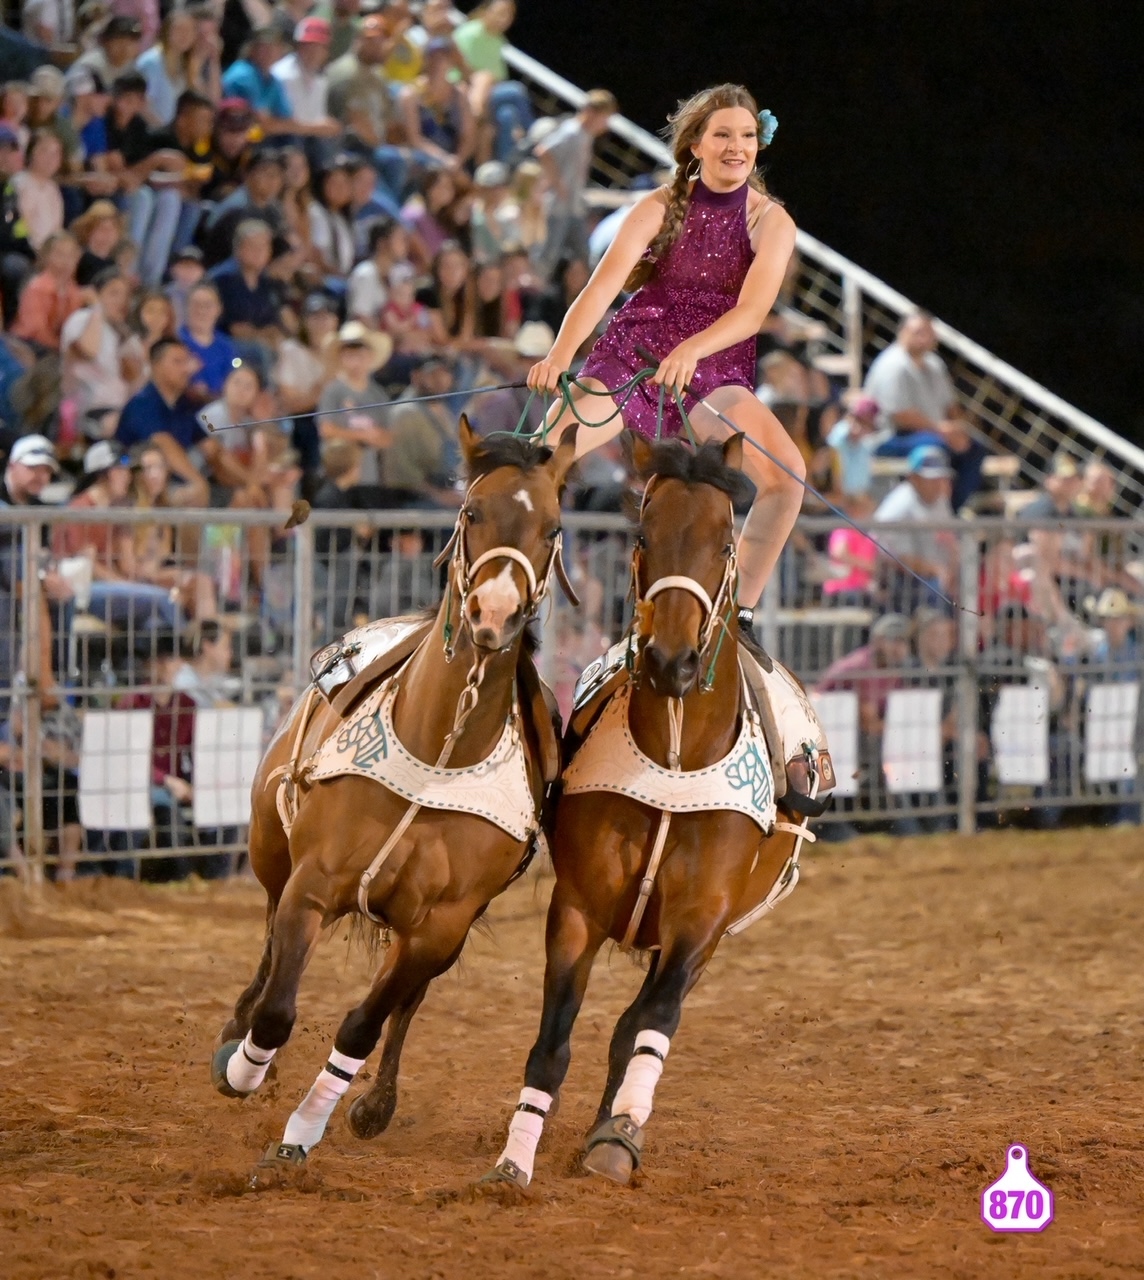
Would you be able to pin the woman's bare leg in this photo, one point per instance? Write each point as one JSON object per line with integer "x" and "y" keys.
{"x": 778, "y": 497}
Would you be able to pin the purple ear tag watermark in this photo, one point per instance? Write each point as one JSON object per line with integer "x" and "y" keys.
{"x": 1017, "y": 1201}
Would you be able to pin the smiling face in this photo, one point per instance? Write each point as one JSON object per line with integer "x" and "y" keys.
{"x": 728, "y": 148}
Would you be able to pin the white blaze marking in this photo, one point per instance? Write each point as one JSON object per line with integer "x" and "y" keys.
{"x": 498, "y": 599}
{"x": 521, "y": 495}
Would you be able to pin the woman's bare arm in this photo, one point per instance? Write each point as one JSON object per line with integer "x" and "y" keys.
{"x": 636, "y": 232}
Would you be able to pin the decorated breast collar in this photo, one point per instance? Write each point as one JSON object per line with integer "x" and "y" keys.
{"x": 497, "y": 788}
{"x": 610, "y": 760}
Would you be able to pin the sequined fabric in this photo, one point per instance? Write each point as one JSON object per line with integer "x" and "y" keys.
{"x": 697, "y": 281}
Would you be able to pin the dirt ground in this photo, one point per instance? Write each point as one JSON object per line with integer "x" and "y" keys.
{"x": 846, "y": 1081}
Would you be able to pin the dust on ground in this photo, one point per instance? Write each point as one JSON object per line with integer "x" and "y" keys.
{"x": 846, "y": 1080}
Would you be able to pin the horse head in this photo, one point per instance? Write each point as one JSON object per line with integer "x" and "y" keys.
{"x": 507, "y": 541}
{"x": 683, "y": 568}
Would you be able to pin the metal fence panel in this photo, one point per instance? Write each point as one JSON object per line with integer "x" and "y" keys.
{"x": 1019, "y": 704}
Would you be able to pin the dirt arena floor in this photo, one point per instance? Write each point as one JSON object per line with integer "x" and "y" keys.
{"x": 846, "y": 1081}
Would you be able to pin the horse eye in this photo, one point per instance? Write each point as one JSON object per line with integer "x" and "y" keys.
{"x": 472, "y": 515}
{"x": 553, "y": 534}
{"x": 727, "y": 550}
{"x": 641, "y": 542}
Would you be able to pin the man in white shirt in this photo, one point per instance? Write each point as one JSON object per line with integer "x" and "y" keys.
{"x": 302, "y": 73}
{"x": 921, "y": 500}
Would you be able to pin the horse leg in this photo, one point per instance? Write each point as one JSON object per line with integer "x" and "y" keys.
{"x": 239, "y": 1066}
{"x": 239, "y": 1024}
{"x": 613, "y": 1147}
{"x": 624, "y": 1041}
{"x": 400, "y": 985}
{"x": 371, "y": 1113}
{"x": 571, "y": 943}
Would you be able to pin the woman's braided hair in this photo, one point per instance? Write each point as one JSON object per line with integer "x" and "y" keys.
{"x": 685, "y": 127}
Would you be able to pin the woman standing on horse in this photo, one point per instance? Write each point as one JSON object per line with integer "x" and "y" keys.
{"x": 705, "y": 257}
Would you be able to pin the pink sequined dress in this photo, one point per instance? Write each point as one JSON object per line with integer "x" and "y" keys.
{"x": 697, "y": 281}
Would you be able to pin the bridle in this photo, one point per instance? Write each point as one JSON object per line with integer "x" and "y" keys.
{"x": 716, "y": 612}
{"x": 463, "y": 571}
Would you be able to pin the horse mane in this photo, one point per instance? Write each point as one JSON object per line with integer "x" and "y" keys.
{"x": 675, "y": 460}
{"x": 505, "y": 449}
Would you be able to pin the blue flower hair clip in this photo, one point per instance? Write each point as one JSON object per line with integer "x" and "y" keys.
{"x": 768, "y": 126}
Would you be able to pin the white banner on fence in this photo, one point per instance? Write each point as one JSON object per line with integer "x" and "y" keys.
{"x": 228, "y": 747}
{"x": 1110, "y": 732}
{"x": 115, "y": 771}
{"x": 838, "y": 712}
{"x": 911, "y": 741}
{"x": 1020, "y": 735}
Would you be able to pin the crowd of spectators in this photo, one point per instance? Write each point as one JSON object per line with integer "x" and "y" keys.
{"x": 240, "y": 242}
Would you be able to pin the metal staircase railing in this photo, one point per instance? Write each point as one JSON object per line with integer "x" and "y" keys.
{"x": 861, "y": 314}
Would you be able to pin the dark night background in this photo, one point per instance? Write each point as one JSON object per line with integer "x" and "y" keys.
{"x": 984, "y": 157}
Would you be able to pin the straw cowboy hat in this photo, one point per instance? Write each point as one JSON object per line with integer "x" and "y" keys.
{"x": 1113, "y": 603}
{"x": 355, "y": 334}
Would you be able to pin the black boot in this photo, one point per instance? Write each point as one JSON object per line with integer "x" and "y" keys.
{"x": 747, "y": 637}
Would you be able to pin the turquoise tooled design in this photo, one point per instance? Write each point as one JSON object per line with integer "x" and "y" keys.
{"x": 365, "y": 738}
{"x": 750, "y": 770}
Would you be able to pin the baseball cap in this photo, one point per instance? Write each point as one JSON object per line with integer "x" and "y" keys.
{"x": 371, "y": 27}
{"x": 46, "y": 82}
{"x": 265, "y": 153}
{"x": 189, "y": 253}
{"x": 312, "y": 30}
{"x": 401, "y": 273}
{"x": 929, "y": 461}
{"x": 235, "y": 113}
{"x": 102, "y": 456}
{"x": 85, "y": 80}
{"x": 34, "y": 451}
{"x": 891, "y": 626}
{"x": 123, "y": 26}
{"x": 866, "y": 408}
{"x": 533, "y": 339}
{"x": 439, "y": 44}
{"x": 1065, "y": 466}
{"x": 8, "y": 136}
{"x": 493, "y": 173}
{"x": 316, "y": 303}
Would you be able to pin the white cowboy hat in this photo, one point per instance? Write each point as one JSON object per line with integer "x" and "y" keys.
{"x": 356, "y": 334}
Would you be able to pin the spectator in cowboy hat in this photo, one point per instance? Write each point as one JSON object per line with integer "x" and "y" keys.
{"x": 493, "y": 411}
{"x": 351, "y": 406}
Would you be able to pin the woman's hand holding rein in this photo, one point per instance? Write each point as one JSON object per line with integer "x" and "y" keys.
{"x": 545, "y": 374}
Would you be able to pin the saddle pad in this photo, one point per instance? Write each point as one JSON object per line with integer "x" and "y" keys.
{"x": 610, "y": 760}
{"x": 367, "y": 746}
{"x": 795, "y": 718}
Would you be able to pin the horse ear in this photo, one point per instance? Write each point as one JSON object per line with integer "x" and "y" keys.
{"x": 637, "y": 452}
{"x": 564, "y": 456}
{"x": 471, "y": 443}
{"x": 733, "y": 451}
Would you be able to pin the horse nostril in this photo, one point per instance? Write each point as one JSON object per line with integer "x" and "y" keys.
{"x": 686, "y": 669}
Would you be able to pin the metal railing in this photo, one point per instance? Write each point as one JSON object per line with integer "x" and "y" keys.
{"x": 861, "y": 315}
{"x": 1025, "y": 623}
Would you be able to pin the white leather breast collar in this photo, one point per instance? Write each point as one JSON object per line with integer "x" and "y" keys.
{"x": 610, "y": 760}
{"x": 496, "y": 789}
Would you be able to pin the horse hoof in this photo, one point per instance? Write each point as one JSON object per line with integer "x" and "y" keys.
{"x": 610, "y": 1160}
{"x": 279, "y": 1161}
{"x": 613, "y": 1149}
{"x": 222, "y": 1055}
{"x": 366, "y": 1121}
{"x": 508, "y": 1171}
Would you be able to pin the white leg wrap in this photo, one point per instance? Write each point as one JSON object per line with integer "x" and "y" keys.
{"x": 247, "y": 1068}
{"x": 634, "y": 1096}
{"x": 525, "y": 1130}
{"x": 306, "y": 1126}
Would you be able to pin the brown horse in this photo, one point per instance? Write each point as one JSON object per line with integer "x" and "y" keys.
{"x": 624, "y": 873}
{"x": 349, "y": 844}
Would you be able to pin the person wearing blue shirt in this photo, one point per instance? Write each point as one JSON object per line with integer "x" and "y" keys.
{"x": 215, "y": 351}
{"x": 162, "y": 407}
{"x": 250, "y": 78}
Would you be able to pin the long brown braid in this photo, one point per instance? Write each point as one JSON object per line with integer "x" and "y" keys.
{"x": 685, "y": 127}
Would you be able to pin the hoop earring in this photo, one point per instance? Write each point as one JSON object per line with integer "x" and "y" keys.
{"x": 695, "y": 170}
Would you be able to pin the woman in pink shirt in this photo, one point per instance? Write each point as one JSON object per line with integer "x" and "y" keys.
{"x": 51, "y": 295}
{"x": 852, "y": 556}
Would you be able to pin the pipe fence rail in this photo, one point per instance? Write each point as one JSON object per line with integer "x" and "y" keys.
{"x": 134, "y": 712}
